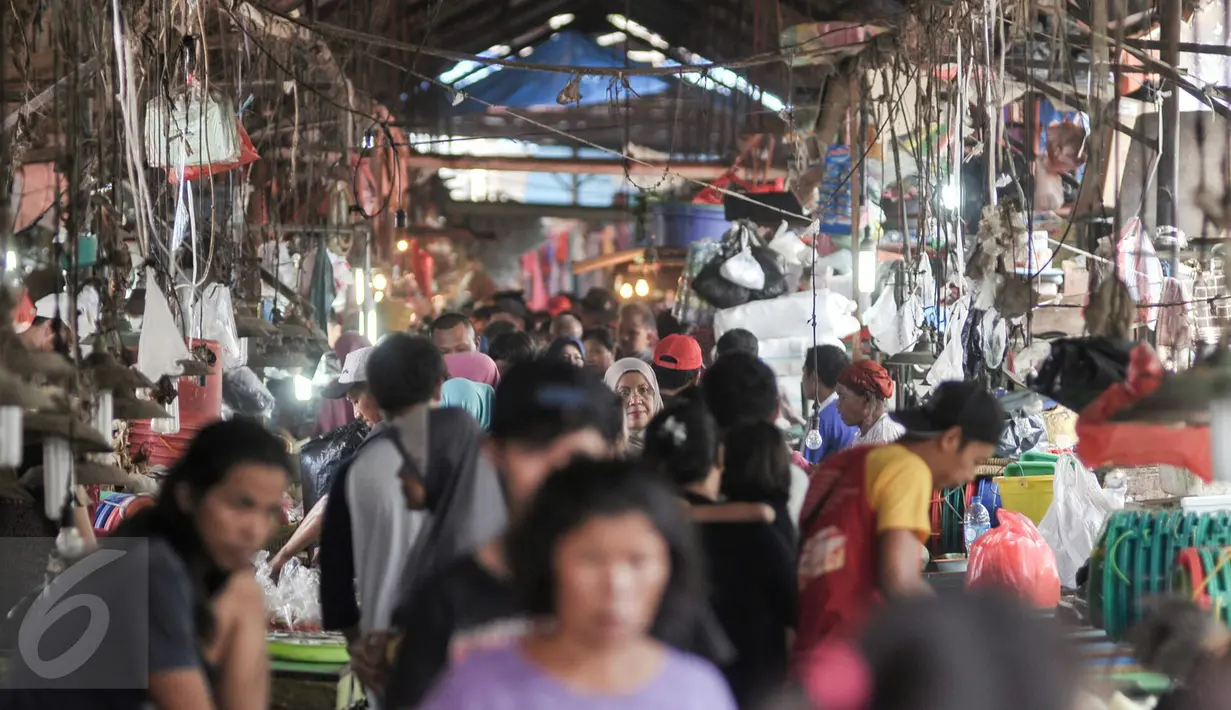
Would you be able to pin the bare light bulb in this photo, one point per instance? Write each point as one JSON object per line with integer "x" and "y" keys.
{"x": 813, "y": 439}
{"x": 626, "y": 290}
{"x": 642, "y": 288}
{"x": 57, "y": 474}
{"x": 403, "y": 245}
{"x": 380, "y": 282}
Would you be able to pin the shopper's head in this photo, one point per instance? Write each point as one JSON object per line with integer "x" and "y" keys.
{"x": 967, "y": 651}
{"x": 545, "y": 414}
{"x": 602, "y": 549}
{"x": 683, "y": 443}
{"x": 454, "y": 333}
{"x": 566, "y": 325}
{"x": 863, "y": 389}
{"x": 756, "y": 464}
{"x": 958, "y": 426}
{"x": 405, "y": 371}
{"x": 600, "y": 349}
{"x": 677, "y": 363}
{"x": 568, "y": 350}
{"x": 740, "y": 388}
{"x": 510, "y": 349}
{"x": 224, "y": 496}
{"x": 637, "y": 386}
{"x": 822, "y": 366}
{"x": 636, "y": 332}
{"x": 737, "y": 340}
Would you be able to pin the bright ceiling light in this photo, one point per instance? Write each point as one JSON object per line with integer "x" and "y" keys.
{"x": 525, "y": 52}
{"x": 626, "y": 290}
{"x": 561, "y": 20}
{"x": 379, "y": 282}
{"x": 611, "y": 38}
{"x": 647, "y": 56}
{"x": 403, "y": 245}
{"x": 642, "y": 288}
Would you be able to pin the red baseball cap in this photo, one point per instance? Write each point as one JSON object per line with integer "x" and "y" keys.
{"x": 559, "y": 304}
{"x": 678, "y": 352}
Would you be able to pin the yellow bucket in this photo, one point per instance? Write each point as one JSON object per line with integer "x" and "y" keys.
{"x": 1029, "y": 495}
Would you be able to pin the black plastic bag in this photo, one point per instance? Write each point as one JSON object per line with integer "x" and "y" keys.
{"x": 243, "y": 392}
{"x": 711, "y": 286}
{"x": 1078, "y": 370}
{"x": 321, "y": 457}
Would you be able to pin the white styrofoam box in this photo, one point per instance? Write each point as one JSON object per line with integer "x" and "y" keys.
{"x": 1179, "y": 482}
{"x": 191, "y": 130}
{"x": 790, "y": 316}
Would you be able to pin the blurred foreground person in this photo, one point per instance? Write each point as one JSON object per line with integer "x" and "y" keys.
{"x": 603, "y": 555}
{"x": 1189, "y": 645}
{"x": 194, "y": 639}
{"x": 544, "y": 414}
{"x": 967, "y": 651}
{"x": 866, "y": 517}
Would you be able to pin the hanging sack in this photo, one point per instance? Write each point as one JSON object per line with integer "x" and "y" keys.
{"x": 773, "y": 266}
{"x": 710, "y": 283}
{"x": 1077, "y": 513}
{"x": 743, "y": 269}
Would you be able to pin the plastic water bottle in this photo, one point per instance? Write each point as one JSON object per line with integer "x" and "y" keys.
{"x": 977, "y": 522}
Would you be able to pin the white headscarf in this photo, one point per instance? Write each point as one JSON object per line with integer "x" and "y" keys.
{"x": 632, "y": 364}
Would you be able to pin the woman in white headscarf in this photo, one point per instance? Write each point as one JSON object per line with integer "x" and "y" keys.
{"x": 634, "y": 381}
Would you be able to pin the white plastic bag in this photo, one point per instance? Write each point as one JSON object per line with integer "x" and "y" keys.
{"x": 743, "y": 269}
{"x": 1078, "y": 510}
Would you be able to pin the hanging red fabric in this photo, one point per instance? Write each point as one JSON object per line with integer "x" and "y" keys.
{"x": 1103, "y": 443}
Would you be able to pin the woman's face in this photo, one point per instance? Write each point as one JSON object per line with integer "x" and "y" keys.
{"x": 638, "y": 399}
{"x": 598, "y": 356}
{"x": 571, "y": 355}
{"x": 236, "y": 517}
{"x": 853, "y": 406}
{"x": 610, "y": 577}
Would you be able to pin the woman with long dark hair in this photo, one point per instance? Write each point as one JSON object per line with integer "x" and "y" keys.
{"x": 751, "y": 567}
{"x": 604, "y": 555}
{"x": 193, "y": 636}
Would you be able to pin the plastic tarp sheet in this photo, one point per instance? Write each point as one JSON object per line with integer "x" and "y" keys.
{"x": 525, "y": 89}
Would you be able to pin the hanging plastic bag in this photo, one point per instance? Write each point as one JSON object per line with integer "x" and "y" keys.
{"x": 1015, "y": 558}
{"x": 247, "y": 155}
{"x": 743, "y": 268}
{"x": 1078, "y": 510}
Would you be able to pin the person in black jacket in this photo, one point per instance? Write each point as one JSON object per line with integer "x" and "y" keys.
{"x": 751, "y": 567}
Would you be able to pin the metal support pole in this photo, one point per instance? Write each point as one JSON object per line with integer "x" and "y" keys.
{"x": 1170, "y": 22}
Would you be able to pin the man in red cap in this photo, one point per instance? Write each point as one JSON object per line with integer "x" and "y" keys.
{"x": 677, "y": 364}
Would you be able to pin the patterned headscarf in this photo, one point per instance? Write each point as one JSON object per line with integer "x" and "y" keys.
{"x": 867, "y": 377}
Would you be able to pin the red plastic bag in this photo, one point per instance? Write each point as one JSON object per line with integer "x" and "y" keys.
{"x": 247, "y": 154}
{"x": 1015, "y": 558}
{"x": 730, "y": 181}
{"x": 1103, "y": 443}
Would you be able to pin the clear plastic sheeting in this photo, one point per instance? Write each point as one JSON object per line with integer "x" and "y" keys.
{"x": 191, "y": 129}
{"x": 293, "y": 602}
{"x": 217, "y": 322}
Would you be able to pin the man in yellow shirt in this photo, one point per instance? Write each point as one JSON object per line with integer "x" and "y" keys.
{"x": 866, "y": 512}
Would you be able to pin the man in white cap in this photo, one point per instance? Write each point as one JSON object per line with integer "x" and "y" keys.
{"x": 352, "y": 383}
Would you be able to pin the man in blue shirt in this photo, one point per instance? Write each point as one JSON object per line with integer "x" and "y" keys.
{"x": 822, "y": 365}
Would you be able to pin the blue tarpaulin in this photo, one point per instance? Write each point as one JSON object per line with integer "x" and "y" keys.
{"x": 516, "y": 88}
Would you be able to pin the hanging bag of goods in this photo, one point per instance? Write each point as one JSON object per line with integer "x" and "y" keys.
{"x": 741, "y": 241}
{"x": 192, "y": 128}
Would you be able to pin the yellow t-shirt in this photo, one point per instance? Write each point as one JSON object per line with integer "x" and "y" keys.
{"x": 899, "y": 490}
